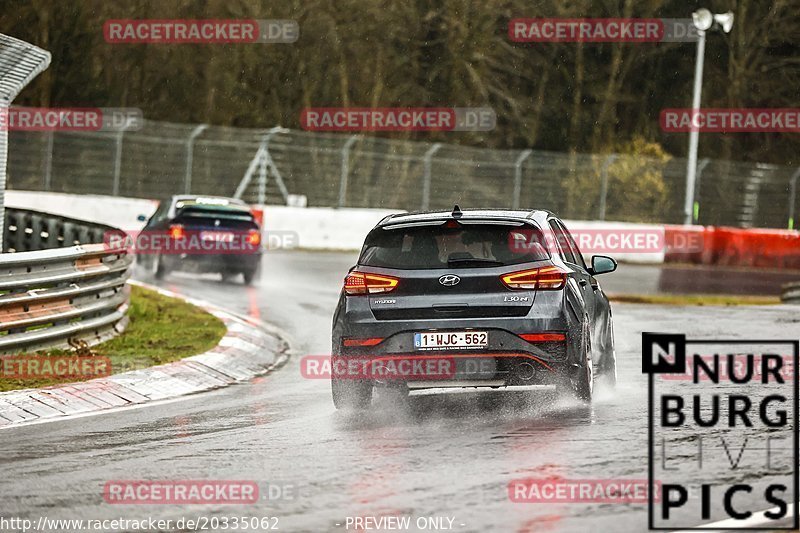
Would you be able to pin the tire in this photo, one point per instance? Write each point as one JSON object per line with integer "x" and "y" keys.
{"x": 609, "y": 373}
{"x": 252, "y": 274}
{"x": 584, "y": 383}
{"x": 157, "y": 267}
{"x": 351, "y": 394}
{"x": 249, "y": 276}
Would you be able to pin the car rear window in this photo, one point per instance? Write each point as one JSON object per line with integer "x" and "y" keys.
{"x": 452, "y": 245}
{"x": 208, "y": 215}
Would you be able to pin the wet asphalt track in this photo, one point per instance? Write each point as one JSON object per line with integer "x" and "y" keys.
{"x": 447, "y": 456}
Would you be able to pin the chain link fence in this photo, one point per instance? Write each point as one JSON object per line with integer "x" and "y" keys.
{"x": 339, "y": 170}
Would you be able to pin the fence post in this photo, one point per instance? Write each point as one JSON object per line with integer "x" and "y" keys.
{"x": 48, "y": 161}
{"x": 518, "y": 177}
{"x": 701, "y": 166}
{"x": 20, "y": 62}
{"x": 792, "y": 196}
{"x": 345, "y": 169}
{"x": 117, "y": 161}
{"x": 426, "y": 178}
{"x": 604, "y": 185}
{"x": 187, "y": 177}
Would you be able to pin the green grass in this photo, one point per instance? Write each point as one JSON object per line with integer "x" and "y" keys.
{"x": 695, "y": 299}
{"x": 161, "y": 330}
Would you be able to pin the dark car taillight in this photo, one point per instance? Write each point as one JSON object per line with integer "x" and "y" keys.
{"x": 176, "y": 232}
{"x": 253, "y": 237}
{"x": 364, "y": 283}
{"x": 543, "y": 278}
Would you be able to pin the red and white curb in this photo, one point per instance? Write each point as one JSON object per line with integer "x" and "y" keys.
{"x": 250, "y": 348}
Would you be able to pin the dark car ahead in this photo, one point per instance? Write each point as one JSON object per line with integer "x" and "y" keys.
{"x": 201, "y": 234}
{"x": 479, "y": 298}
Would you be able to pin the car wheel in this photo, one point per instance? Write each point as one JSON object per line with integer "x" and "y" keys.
{"x": 351, "y": 394}
{"x": 157, "y": 267}
{"x": 609, "y": 373}
{"x": 249, "y": 276}
{"x": 584, "y": 383}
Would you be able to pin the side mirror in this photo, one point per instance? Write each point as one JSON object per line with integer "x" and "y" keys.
{"x": 602, "y": 264}
{"x": 142, "y": 218}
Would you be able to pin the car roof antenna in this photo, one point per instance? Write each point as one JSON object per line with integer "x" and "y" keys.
{"x": 457, "y": 211}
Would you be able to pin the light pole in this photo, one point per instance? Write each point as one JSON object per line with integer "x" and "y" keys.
{"x": 703, "y": 20}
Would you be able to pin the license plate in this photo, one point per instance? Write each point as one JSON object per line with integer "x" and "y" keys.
{"x": 451, "y": 339}
{"x": 217, "y": 236}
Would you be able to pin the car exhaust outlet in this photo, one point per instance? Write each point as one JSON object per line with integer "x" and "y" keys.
{"x": 526, "y": 371}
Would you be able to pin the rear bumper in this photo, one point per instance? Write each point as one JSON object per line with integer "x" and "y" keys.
{"x": 211, "y": 262}
{"x": 427, "y": 370}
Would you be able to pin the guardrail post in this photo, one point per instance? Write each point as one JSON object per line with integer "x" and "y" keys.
{"x": 187, "y": 177}
{"x": 20, "y": 62}
{"x": 48, "y": 162}
{"x": 793, "y": 196}
{"x": 118, "y": 159}
{"x": 426, "y": 178}
{"x": 604, "y": 185}
{"x": 518, "y": 177}
{"x": 345, "y": 169}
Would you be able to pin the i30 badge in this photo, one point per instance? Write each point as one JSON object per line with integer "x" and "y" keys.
{"x": 449, "y": 280}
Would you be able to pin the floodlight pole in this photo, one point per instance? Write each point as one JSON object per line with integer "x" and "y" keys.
{"x": 694, "y": 133}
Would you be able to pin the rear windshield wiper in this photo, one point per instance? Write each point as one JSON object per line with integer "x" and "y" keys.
{"x": 473, "y": 260}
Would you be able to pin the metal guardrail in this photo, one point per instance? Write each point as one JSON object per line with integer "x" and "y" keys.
{"x": 60, "y": 281}
{"x": 791, "y": 293}
{"x": 20, "y": 62}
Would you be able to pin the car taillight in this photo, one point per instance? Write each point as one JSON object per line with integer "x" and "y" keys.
{"x": 176, "y": 231}
{"x": 364, "y": 283}
{"x": 544, "y": 278}
{"x": 253, "y": 237}
{"x": 543, "y": 337}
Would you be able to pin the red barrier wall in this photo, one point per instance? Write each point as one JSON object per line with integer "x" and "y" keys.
{"x": 767, "y": 248}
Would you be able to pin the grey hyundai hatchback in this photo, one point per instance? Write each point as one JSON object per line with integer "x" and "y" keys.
{"x": 473, "y": 298}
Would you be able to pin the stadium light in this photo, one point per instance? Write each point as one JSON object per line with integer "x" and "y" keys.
{"x": 703, "y": 20}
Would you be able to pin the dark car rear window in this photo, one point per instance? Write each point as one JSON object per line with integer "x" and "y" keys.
{"x": 450, "y": 244}
{"x": 203, "y": 216}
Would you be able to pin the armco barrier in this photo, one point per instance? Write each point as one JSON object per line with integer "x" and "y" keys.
{"x": 762, "y": 248}
{"x": 59, "y": 282}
